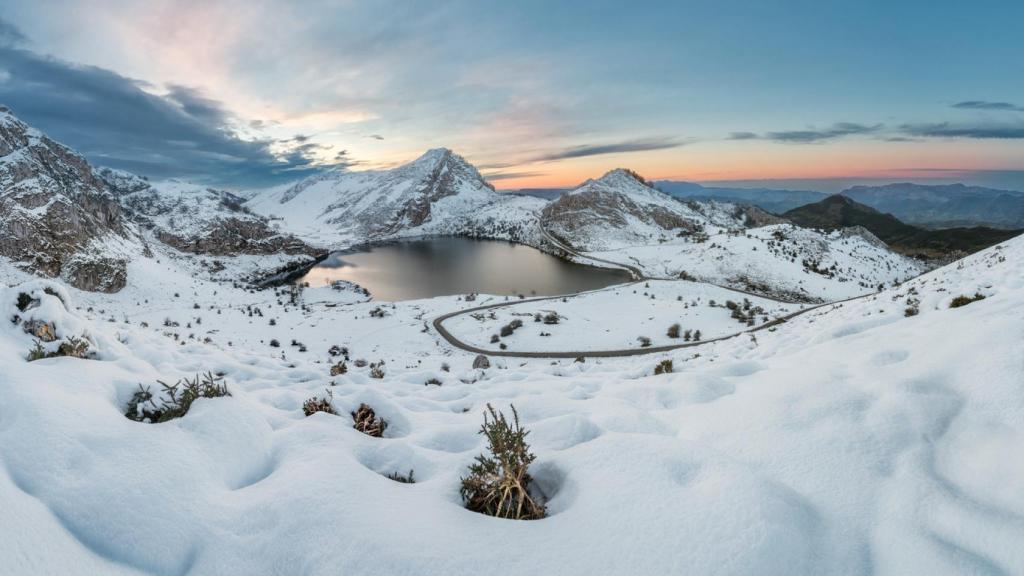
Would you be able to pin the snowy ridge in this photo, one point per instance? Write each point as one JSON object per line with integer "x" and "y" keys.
{"x": 780, "y": 446}
{"x": 438, "y": 193}
{"x": 199, "y": 219}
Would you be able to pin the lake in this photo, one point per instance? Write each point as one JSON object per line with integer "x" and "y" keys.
{"x": 442, "y": 266}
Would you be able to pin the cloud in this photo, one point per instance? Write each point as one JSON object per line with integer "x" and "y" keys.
{"x": 838, "y": 130}
{"x": 9, "y": 35}
{"x": 375, "y": 136}
{"x": 987, "y": 105}
{"x": 119, "y": 122}
{"x": 511, "y": 175}
{"x": 981, "y": 131}
{"x": 743, "y": 136}
{"x": 639, "y": 145}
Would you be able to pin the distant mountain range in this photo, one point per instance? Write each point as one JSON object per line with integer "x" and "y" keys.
{"x": 838, "y": 212}
{"x": 775, "y": 201}
{"x": 945, "y": 205}
{"x": 930, "y": 206}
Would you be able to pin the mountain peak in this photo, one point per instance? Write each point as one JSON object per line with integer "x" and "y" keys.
{"x": 624, "y": 175}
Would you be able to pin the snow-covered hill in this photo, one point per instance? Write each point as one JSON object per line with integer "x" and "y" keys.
{"x": 438, "y": 193}
{"x": 621, "y": 209}
{"x": 859, "y": 437}
{"x": 620, "y": 218}
{"x": 198, "y": 219}
{"x": 56, "y": 215}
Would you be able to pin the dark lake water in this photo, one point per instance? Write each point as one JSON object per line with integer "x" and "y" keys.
{"x": 444, "y": 266}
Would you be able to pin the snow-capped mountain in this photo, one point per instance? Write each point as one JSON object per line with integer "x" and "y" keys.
{"x": 198, "y": 219}
{"x": 55, "y": 211}
{"x": 621, "y": 218}
{"x": 621, "y": 208}
{"x": 438, "y": 193}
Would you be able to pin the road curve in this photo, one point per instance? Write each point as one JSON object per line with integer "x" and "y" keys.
{"x": 438, "y": 322}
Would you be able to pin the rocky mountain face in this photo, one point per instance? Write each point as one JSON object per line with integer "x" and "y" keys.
{"x": 622, "y": 208}
{"x": 839, "y": 212}
{"x": 55, "y": 212}
{"x": 944, "y": 205}
{"x": 438, "y": 193}
{"x": 199, "y": 219}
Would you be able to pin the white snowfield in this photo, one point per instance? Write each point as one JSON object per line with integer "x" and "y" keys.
{"x": 779, "y": 259}
{"x": 617, "y": 318}
{"x": 852, "y": 439}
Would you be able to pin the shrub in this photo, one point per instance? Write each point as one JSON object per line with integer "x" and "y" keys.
{"x": 432, "y": 382}
{"x": 644, "y": 341}
{"x": 911, "y": 311}
{"x": 365, "y": 420}
{"x": 398, "y": 477}
{"x": 494, "y": 338}
{"x": 499, "y": 484}
{"x": 275, "y": 344}
{"x": 696, "y": 335}
{"x": 73, "y": 347}
{"x": 673, "y": 331}
{"x": 317, "y": 404}
{"x": 965, "y": 300}
{"x": 663, "y": 367}
{"x": 506, "y": 330}
{"x": 24, "y": 301}
{"x": 377, "y": 370}
{"x": 179, "y": 398}
{"x": 339, "y": 368}
{"x": 551, "y": 318}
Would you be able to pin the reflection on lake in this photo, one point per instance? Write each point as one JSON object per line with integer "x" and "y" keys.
{"x": 444, "y": 266}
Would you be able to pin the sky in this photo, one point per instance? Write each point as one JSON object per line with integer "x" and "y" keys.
{"x": 793, "y": 93}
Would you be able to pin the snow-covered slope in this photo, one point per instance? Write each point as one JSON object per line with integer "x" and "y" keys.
{"x": 853, "y": 439}
{"x": 438, "y": 193}
{"x": 55, "y": 213}
{"x": 198, "y": 219}
{"x": 619, "y": 218}
{"x": 781, "y": 260}
{"x": 621, "y": 209}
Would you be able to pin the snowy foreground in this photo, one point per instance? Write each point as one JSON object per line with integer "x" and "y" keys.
{"x": 852, "y": 439}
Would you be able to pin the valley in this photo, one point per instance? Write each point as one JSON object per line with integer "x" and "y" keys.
{"x": 791, "y": 399}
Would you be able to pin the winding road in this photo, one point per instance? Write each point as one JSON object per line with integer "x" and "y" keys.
{"x": 438, "y": 322}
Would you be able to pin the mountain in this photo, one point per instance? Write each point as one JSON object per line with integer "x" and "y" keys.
{"x": 199, "y": 219}
{"x": 438, "y": 193}
{"x": 775, "y": 201}
{"x": 944, "y": 205}
{"x": 623, "y": 208}
{"x": 55, "y": 212}
{"x": 838, "y": 211}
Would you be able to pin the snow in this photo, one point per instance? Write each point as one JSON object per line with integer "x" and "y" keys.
{"x": 640, "y": 309}
{"x": 774, "y": 257}
{"x": 850, "y": 439}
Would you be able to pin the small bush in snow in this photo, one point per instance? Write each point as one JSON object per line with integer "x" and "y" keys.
{"x": 398, "y": 477}
{"x": 377, "y": 370}
{"x": 275, "y": 344}
{"x": 663, "y": 367}
{"x": 499, "y": 484}
{"x": 432, "y": 382}
{"x": 551, "y": 318}
{"x": 673, "y": 331}
{"x": 339, "y": 369}
{"x": 965, "y": 300}
{"x": 366, "y": 421}
{"x": 178, "y": 398}
{"x": 72, "y": 347}
{"x": 316, "y": 404}
{"x": 644, "y": 341}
